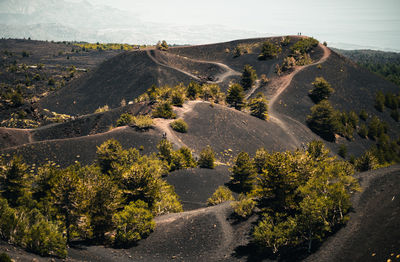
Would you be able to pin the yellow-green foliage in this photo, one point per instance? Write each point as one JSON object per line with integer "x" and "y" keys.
{"x": 56, "y": 117}
{"x": 125, "y": 119}
{"x": 178, "y": 94}
{"x": 244, "y": 207}
{"x": 15, "y": 122}
{"x": 222, "y": 194}
{"x": 180, "y": 126}
{"x": 301, "y": 191}
{"x": 142, "y": 122}
{"x": 207, "y": 158}
{"x": 102, "y": 46}
{"x": 248, "y": 48}
{"x": 134, "y": 222}
{"x": 102, "y": 109}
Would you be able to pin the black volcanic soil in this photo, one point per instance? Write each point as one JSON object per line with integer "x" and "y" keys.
{"x": 83, "y": 149}
{"x": 195, "y": 186}
{"x": 125, "y": 76}
{"x": 373, "y": 232}
{"x": 229, "y": 131}
{"x": 50, "y": 53}
{"x": 355, "y": 89}
{"x": 81, "y": 126}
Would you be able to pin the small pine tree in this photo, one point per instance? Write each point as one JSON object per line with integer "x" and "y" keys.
{"x": 207, "y": 158}
{"x": 180, "y": 126}
{"x": 379, "y": 101}
{"x": 259, "y": 106}
{"x": 193, "y": 90}
{"x": 366, "y": 162}
{"x": 235, "y": 96}
{"x": 249, "y": 76}
{"x": 222, "y": 194}
{"x": 322, "y": 90}
{"x": 133, "y": 223}
{"x": 243, "y": 173}
{"x": 342, "y": 151}
{"x": 164, "y": 110}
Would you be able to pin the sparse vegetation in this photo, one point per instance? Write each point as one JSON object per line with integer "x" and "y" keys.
{"x": 269, "y": 50}
{"x": 304, "y": 45}
{"x": 179, "y": 125}
{"x": 235, "y": 96}
{"x": 259, "y": 106}
{"x": 163, "y": 46}
{"x": 249, "y": 76}
{"x": 142, "y": 122}
{"x": 164, "y": 110}
{"x": 243, "y": 173}
{"x": 125, "y": 119}
{"x": 244, "y": 208}
{"x": 322, "y": 90}
{"x": 207, "y": 158}
{"x": 102, "y": 109}
{"x": 323, "y": 120}
{"x": 289, "y": 190}
{"x": 222, "y": 194}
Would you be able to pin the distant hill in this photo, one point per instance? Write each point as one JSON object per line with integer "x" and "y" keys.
{"x": 81, "y": 21}
{"x": 386, "y": 64}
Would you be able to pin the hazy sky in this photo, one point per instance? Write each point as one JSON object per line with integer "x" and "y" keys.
{"x": 358, "y": 22}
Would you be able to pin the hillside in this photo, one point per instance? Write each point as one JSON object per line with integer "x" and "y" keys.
{"x": 213, "y": 233}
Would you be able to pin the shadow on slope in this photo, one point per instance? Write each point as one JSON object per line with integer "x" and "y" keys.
{"x": 374, "y": 224}
{"x": 83, "y": 149}
{"x": 125, "y": 76}
{"x": 195, "y": 186}
{"x": 229, "y": 131}
{"x": 81, "y": 126}
{"x": 355, "y": 89}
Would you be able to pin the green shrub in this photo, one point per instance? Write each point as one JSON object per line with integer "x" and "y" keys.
{"x": 142, "y": 122}
{"x": 324, "y": 120}
{"x": 244, "y": 207}
{"x": 163, "y": 46}
{"x": 222, "y": 194}
{"x": 102, "y": 109}
{"x": 207, "y": 158}
{"x": 177, "y": 99}
{"x": 363, "y": 131}
{"x": 269, "y": 50}
{"x": 304, "y": 45}
{"x": 125, "y": 119}
{"x": 249, "y": 76}
{"x": 235, "y": 96}
{"x": 366, "y": 162}
{"x": 379, "y": 101}
{"x": 363, "y": 115}
{"x": 342, "y": 151}
{"x": 243, "y": 173}
{"x": 322, "y": 90}
{"x": 193, "y": 90}
{"x": 259, "y": 106}
{"x": 180, "y": 126}
{"x": 376, "y": 128}
{"x": 133, "y": 223}
{"x": 46, "y": 239}
{"x": 164, "y": 110}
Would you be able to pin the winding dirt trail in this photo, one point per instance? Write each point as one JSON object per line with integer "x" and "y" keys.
{"x": 229, "y": 72}
{"x": 279, "y": 84}
{"x": 164, "y": 124}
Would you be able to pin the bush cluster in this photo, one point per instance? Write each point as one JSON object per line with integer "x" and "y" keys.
{"x": 180, "y": 126}
{"x": 120, "y": 193}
